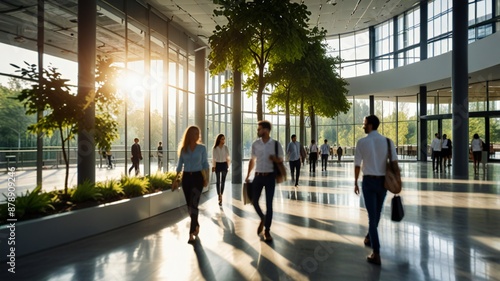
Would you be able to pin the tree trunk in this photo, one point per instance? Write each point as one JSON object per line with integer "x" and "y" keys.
{"x": 66, "y": 160}
{"x": 260, "y": 91}
{"x": 312, "y": 117}
{"x": 302, "y": 124}
{"x": 287, "y": 116}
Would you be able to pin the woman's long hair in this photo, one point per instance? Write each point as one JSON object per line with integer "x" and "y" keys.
{"x": 188, "y": 138}
{"x": 217, "y": 140}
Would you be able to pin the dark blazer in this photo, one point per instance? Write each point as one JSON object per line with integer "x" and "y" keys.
{"x": 136, "y": 152}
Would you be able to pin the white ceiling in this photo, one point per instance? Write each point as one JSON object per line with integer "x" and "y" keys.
{"x": 335, "y": 16}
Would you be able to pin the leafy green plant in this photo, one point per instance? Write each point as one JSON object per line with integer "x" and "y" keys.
{"x": 110, "y": 189}
{"x": 159, "y": 181}
{"x": 86, "y": 191}
{"x": 34, "y": 202}
{"x": 134, "y": 186}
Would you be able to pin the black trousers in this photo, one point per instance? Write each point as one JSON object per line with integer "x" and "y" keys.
{"x": 436, "y": 160}
{"x": 192, "y": 185}
{"x": 135, "y": 165}
{"x": 313, "y": 157}
{"x": 220, "y": 174}
{"x": 295, "y": 170}
{"x": 324, "y": 161}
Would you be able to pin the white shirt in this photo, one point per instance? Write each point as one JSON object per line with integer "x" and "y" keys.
{"x": 325, "y": 148}
{"x": 476, "y": 144}
{"x": 261, "y": 152}
{"x": 293, "y": 151}
{"x": 436, "y": 144}
{"x": 313, "y": 148}
{"x": 372, "y": 152}
{"x": 220, "y": 155}
{"x": 445, "y": 143}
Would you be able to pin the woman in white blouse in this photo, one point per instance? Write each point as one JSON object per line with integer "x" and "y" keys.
{"x": 220, "y": 164}
{"x": 476, "y": 146}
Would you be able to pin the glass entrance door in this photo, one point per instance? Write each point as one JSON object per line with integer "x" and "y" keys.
{"x": 494, "y": 147}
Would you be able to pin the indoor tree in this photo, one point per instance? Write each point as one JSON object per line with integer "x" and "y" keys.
{"x": 63, "y": 109}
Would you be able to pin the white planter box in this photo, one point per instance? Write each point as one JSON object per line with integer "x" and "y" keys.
{"x": 47, "y": 232}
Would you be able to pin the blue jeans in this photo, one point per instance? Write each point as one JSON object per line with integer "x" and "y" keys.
{"x": 258, "y": 184}
{"x": 374, "y": 194}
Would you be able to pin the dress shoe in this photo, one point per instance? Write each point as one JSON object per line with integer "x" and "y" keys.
{"x": 267, "y": 236}
{"x": 374, "y": 258}
{"x": 261, "y": 227}
{"x": 192, "y": 238}
{"x": 220, "y": 200}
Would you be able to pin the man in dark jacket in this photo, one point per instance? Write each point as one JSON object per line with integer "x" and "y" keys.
{"x": 136, "y": 156}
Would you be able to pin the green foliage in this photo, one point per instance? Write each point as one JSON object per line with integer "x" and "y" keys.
{"x": 257, "y": 33}
{"x": 110, "y": 189}
{"x": 86, "y": 191}
{"x": 134, "y": 186}
{"x": 64, "y": 111}
{"x": 13, "y": 119}
{"x": 159, "y": 181}
{"x": 34, "y": 202}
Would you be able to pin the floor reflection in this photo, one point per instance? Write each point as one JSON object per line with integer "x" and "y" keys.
{"x": 450, "y": 232}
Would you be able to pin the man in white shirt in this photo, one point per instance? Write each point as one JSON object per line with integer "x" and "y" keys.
{"x": 436, "y": 147}
{"x": 294, "y": 158}
{"x": 325, "y": 149}
{"x": 263, "y": 156}
{"x": 313, "y": 156}
{"x": 372, "y": 151}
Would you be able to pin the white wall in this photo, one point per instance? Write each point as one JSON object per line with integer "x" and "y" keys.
{"x": 483, "y": 54}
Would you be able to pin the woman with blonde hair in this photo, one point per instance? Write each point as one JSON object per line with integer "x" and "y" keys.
{"x": 220, "y": 163}
{"x": 193, "y": 156}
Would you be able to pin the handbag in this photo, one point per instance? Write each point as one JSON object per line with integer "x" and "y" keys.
{"x": 246, "y": 193}
{"x": 279, "y": 167}
{"x": 397, "y": 210}
{"x": 392, "y": 180}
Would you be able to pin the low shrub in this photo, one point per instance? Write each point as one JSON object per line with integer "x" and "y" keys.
{"x": 159, "y": 181}
{"x": 29, "y": 203}
{"x": 134, "y": 186}
{"x": 86, "y": 191}
{"x": 110, "y": 189}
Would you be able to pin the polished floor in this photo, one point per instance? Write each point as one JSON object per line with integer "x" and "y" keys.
{"x": 451, "y": 231}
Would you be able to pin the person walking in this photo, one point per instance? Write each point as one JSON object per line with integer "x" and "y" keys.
{"x": 109, "y": 156}
{"x": 294, "y": 158}
{"x": 371, "y": 155}
{"x": 192, "y": 161}
{"x": 159, "y": 154}
{"x": 220, "y": 164}
{"x": 325, "y": 150}
{"x": 313, "y": 156}
{"x": 436, "y": 153}
{"x": 136, "y": 157}
{"x": 446, "y": 152}
{"x": 263, "y": 156}
{"x": 476, "y": 146}
{"x": 339, "y": 153}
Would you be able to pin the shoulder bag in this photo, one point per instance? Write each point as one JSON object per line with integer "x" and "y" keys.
{"x": 397, "y": 210}
{"x": 279, "y": 167}
{"x": 392, "y": 173}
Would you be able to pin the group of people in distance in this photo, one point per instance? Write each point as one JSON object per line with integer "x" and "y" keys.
{"x": 442, "y": 152}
